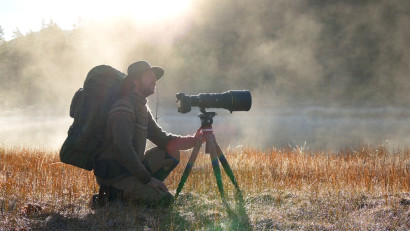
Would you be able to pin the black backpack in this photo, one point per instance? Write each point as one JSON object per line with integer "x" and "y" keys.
{"x": 89, "y": 108}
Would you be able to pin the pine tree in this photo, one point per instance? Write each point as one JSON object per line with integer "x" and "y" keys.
{"x": 2, "y": 40}
{"x": 17, "y": 33}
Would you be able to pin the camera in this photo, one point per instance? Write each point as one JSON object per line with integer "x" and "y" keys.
{"x": 233, "y": 100}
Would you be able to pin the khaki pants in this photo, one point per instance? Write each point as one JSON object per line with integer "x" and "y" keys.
{"x": 159, "y": 164}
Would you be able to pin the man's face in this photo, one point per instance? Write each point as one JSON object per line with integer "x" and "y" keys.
{"x": 146, "y": 84}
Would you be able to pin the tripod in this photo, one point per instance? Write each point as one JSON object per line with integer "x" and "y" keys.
{"x": 216, "y": 154}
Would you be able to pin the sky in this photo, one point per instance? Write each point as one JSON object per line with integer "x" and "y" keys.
{"x": 28, "y": 15}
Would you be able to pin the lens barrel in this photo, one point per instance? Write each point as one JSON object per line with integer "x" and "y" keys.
{"x": 233, "y": 100}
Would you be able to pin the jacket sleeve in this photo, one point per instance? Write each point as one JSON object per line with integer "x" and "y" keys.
{"x": 122, "y": 125}
{"x": 156, "y": 135}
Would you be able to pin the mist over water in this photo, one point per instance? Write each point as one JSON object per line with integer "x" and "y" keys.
{"x": 303, "y": 127}
{"x": 307, "y": 127}
{"x": 322, "y": 74}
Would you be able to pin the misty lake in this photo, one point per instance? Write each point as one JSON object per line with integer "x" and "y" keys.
{"x": 309, "y": 127}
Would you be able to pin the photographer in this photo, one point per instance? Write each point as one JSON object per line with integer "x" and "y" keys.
{"x": 122, "y": 163}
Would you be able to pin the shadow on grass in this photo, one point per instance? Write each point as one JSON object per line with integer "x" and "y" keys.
{"x": 113, "y": 216}
{"x": 189, "y": 213}
{"x": 210, "y": 215}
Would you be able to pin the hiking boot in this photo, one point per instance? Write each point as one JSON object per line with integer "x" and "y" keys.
{"x": 106, "y": 194}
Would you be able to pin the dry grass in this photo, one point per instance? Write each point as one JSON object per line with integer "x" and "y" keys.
{"x": 363, "y": 189}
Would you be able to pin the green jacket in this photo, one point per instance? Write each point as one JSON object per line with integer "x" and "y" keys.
{"x": 129, "y": 125}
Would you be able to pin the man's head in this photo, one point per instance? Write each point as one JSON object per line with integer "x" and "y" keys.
{"x": 145, "y": 84}
{"x": 141, "y": 78}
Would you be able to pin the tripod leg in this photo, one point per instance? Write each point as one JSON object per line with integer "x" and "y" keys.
{"x": 239, "y": 197}
{"x": 211, "y": 144}
{"x": 188, "y": 168}
{"x": 226, "y": 166}
{"x": 229, "y": 172}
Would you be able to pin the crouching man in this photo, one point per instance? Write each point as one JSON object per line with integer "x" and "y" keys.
{"x": 122, "y": 164}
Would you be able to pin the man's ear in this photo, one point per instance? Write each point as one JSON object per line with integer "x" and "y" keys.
{"x": 135, "y": 81}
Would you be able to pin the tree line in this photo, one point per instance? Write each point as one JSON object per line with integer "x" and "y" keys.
{"x": 293, "y": 53}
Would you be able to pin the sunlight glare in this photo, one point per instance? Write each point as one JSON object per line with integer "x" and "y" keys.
{"x": 155, "y": 10}
{"x": 68, "y": 13}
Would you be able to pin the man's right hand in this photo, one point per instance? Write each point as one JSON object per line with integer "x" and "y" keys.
{"x": 157, "y": 185}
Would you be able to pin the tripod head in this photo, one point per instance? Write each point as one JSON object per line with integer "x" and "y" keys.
{"x": 206, "y": 118}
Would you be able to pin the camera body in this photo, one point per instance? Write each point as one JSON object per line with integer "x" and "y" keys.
{"x": 233, "y": 100}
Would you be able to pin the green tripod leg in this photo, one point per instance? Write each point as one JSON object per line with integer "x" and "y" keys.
{"x": 212, "y": 150}
{"x": 239, "y": 197}
{"x": 188, "y": 168}
{"x": 229, "y": 172}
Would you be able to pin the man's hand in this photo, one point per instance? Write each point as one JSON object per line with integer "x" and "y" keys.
{"x": 157, "y": 185}
{"x": 199, "y": 136}
{"x": 185, "y": 143}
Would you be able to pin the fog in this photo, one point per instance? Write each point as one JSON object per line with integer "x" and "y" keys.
{"x": 303, "y": 127}
{"x": 322, "y": 74}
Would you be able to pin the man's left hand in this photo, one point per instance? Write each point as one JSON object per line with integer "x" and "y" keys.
{"x": 199, "y": 136}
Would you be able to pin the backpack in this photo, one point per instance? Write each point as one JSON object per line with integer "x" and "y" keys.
{"x": 89, "y": 108}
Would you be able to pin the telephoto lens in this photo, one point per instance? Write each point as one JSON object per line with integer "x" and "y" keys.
{"x": 233, "y": 100}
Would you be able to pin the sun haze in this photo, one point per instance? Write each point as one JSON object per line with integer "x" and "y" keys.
{"x": 28, "y": 15}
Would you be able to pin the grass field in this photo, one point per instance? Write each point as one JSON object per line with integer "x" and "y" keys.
{"x": 284, "y": 189}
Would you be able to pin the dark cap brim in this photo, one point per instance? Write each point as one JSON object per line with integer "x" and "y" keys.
{"x": 159, "y": 72}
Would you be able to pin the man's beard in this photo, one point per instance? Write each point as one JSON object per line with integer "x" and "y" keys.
{"x": 147, "y": 91}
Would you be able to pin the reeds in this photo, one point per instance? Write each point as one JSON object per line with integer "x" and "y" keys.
{"x": 367, "y": 170}
{"x": 34, "y": 175}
